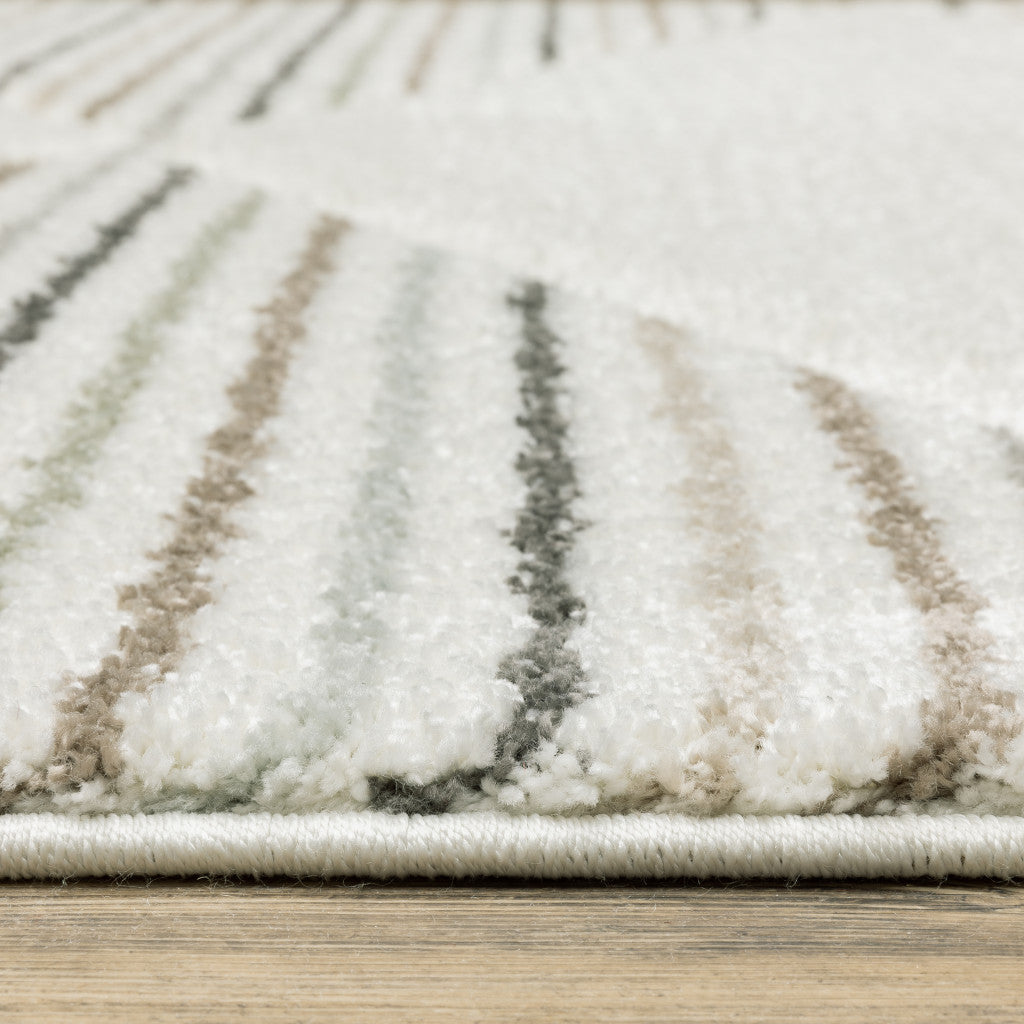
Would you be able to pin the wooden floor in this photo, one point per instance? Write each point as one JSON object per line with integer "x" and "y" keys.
{"x": 293, "y": 954}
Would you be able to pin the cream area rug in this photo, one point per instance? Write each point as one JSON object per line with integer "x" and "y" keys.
{"x": 570, "y": 438}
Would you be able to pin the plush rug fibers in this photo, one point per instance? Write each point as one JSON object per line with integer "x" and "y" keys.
{"x": 545, "y": 438}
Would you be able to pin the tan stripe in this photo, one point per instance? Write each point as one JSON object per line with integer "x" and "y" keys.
{"x": 161, "y": 64}
{"x": 426, "y": 53}
{"x": 13, "y": 168}
{"x": 604, "y": 26}
{"x": 658, "y": 19}
{"x": 106, "y": 57}
{"x": 88, "y": 730}
{"x": 967, "y": 709}
{"x": 742, "y": 597}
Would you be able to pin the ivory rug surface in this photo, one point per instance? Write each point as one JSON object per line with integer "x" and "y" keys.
{"x": 540, "y": 438}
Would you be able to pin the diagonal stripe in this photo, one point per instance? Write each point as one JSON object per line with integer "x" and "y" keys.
{"x": 95, "y": 415}
{"x": 12, "y": 169}
{"x": 259, "y": 104}
{"x": 362, "y": 58}
{"x": 967, "y": 710}
{"x": 604, "y": 26}
{"x": 428, "y": 50}
{"x": 656, "y": 11}
{"x": 69, "y": 190}
{"x": 32, "y": 311}
{"x": 549, "y": 32}
{"x": 63, "y": 45}
{"x": 743, "y": 598}
{"x": 162, "y": 63}
{"x": 108, "y": 55}
{"x": 214, "y": 75}
{"x": 87, "y": 733}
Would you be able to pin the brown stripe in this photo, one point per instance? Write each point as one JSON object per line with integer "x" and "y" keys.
{"x": 967, "y": 709}
{"x": 658, "y": 19}
{"x": 426, "y": 53}
{"x": 161, "y": 64}
{"x": 88, "y": 730}
{"x": 743, "y": 599}
{"x": 13, "y": 168}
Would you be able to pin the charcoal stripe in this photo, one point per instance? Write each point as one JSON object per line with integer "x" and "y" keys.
{"x": 547, "y": 672}
{"x": 259, "y": 104}
{"x": 32, "y": 311}
{"x": 65, "y": 44}
{"x": 549, "y": 33}
{"x": 215, "y": 74}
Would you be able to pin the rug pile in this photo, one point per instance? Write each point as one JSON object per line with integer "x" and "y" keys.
{"x": 558, "y": 437}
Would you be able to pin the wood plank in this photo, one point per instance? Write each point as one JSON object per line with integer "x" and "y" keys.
{"x": 288, "y": 953}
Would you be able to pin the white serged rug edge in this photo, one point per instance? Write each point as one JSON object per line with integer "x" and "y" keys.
{"x": 369, "y": 844}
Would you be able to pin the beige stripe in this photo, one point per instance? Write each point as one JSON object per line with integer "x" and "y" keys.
{"x": 742, "y": 597}
{"x": 106, "y": 57}
{"x": 161, "y": 64}
{"x": 13, "y": 168}
{"x": 658, "y": 19}
{"x": 967, "y": 709}
{"x": 88, "y": 730}
{"x": 604, "y": 26}
{"x": 426, "y": 53}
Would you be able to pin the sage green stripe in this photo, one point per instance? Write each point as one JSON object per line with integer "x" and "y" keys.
{"x": 100, "y": 406}
{"x": 362, "y": 57}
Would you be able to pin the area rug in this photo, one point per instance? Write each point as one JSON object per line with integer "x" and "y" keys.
{"x": 527, "y": 438}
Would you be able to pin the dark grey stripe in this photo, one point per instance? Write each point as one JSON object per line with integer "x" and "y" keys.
{"x": 547, "y": 672}
{"x": 64, "y": 44}
{"x": 260, "y": 102}
{"x": 215, "y": 73}
{"x": 33, "y": 310}
{"x": 549, "y": 34}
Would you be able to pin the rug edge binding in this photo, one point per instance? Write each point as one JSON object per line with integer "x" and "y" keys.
{"x": 378, "y": 845}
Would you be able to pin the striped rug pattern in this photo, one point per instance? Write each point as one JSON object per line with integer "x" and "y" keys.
{"x": 583, "y": 434}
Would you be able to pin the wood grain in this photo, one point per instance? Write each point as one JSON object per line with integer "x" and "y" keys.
{"x": 293, "y": 954}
